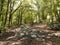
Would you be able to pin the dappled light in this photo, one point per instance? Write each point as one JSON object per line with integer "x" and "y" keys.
{"x": 29, "y": 22}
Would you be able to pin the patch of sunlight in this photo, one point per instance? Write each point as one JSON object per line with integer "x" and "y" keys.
{"x": 29, "y": 0}
{"x": 34, "y": 21}
{"x": 17, "y": 4}
{"x": 57, "y": 34}
{"x": 48, "y": 17}
{"x": 34, "y": 7}
{"x": 58, "y": 8}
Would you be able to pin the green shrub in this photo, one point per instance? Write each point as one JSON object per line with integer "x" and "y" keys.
{"x": 54, "y": 26}
{"x": 3, "y": 29}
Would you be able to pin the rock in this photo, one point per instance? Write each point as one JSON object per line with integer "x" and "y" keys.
{"x": 56, "y": 34}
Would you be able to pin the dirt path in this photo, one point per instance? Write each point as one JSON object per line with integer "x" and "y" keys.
{"x": 38, "y": 41}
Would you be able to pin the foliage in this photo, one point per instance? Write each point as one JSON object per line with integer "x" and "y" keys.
{"x": 28, "y": 11}
{"x": 3, "y": 29}
{"x": 54, "y": 26}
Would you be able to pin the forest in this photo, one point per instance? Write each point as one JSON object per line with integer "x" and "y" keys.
{"x": 33, "y": 21}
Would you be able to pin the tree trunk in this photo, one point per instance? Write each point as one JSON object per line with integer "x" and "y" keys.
{"x": 6, "y": 16}
{"x": 2, "y": 2}
{"x": 10, "y": 15}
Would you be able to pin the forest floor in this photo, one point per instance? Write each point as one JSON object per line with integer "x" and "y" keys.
{"x": 42, "y": 27}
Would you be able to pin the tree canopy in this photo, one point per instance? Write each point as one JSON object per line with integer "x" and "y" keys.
{"x": 17, "y": 12}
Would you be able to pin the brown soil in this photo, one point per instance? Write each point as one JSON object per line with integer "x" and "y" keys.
{"x": 4, "y": 38}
